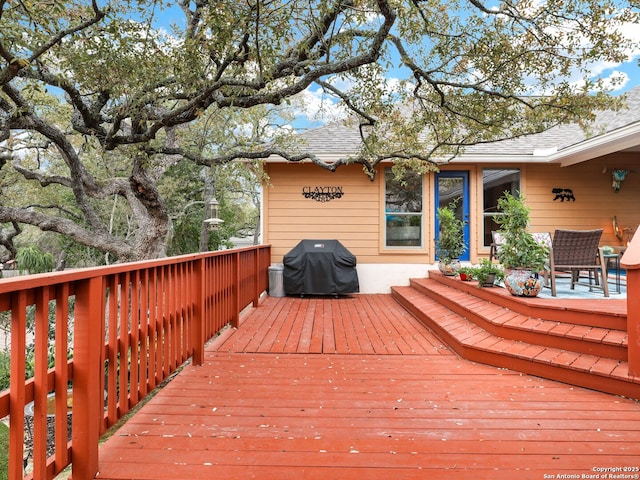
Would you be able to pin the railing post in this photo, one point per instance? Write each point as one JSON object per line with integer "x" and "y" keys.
{"x": 631, "y": 262}
{"x": 199, "y": 314}
{"x": 235, "y": 319}
{"x": 633, "y": 321}
{"x": 17, "y": 397}
{"x": 87, "y": 399}
{"x": 256, "y": 276}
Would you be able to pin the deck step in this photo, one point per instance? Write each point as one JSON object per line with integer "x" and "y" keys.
{"x": 489, "y": 333}
{"x": 506, "y": 323}
{"x": 609, "y": 314}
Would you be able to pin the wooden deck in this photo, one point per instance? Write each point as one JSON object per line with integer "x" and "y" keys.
{"x": 356, "y": 387}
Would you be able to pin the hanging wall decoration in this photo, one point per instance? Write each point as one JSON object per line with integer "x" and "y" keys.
{"x": 618, "y": 177}
{"x": 563, "y": 194}
{"x": 322, "y": 194}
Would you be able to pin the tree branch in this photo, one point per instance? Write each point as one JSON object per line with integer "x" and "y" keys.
{"x": 66, "y": 227}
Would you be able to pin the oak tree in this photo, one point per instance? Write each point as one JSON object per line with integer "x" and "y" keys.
{"x": 95, "y": 96}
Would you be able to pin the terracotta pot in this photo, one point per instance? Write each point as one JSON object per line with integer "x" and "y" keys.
{"x": 522, "y": 283}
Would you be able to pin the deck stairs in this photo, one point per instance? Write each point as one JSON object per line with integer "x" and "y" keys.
{"x": 578, "y": 342}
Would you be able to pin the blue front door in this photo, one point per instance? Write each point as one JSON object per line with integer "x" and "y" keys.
{"x": 450, "y": 186}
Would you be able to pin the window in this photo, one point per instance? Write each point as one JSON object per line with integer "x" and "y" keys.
{"x": 403, "y": 209}
{"x": 494, "y": 183}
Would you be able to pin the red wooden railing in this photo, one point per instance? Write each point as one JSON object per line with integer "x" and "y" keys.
{"x": 130, "y": 327}
{"x": 631, "y": 262}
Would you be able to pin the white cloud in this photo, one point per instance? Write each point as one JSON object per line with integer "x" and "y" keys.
{"x": 613, "y": 73}
{"x": 616, "y": 80}
{"x": 630, "y": 31}
{"x": 318, "y": 107}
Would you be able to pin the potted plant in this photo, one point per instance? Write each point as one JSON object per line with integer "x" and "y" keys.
{"x": 519, "y": 253}
{"x": 450, "y": 242}
{"x": 466, "y": 274}
{"x": 488, "y": 273}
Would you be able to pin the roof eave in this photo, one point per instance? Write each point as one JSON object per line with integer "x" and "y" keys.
{"x": 463, "y": 158}
{"x": 611, "y": 142}
{"x": 498, "y": 158}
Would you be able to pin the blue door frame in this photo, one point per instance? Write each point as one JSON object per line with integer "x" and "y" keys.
{"x": 451, "y": 185}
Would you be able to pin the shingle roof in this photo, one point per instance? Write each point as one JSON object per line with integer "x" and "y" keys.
{"x": 338, "y": 139}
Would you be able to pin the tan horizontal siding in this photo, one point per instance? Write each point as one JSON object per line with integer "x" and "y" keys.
{"x": 365, "y": 256}
{"x": 371, "y": 229}
{"x": 596, "y": 202}
{"x": 349, "y": 240}
{"x": 295, "y": 189}
{"x": 354, "y": 219}
{"x": 365, "y": 246}
{"x": 286, "y": 221}
{"x": 341, "y": 204}
{"x": 336, "y": 211}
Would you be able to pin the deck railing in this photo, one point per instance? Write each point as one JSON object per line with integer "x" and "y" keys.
{"x": 103, "y": 339}
{"x": 630, "y": 261}
{"x": 113, "y": 334}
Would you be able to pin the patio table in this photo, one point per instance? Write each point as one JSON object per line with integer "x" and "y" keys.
{"x": 614, "y": 260}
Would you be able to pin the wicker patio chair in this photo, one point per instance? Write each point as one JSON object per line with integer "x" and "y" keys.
{"x": 574, "y": 252}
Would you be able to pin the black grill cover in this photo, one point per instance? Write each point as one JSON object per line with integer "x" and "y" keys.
{"x": 320, "y": 267}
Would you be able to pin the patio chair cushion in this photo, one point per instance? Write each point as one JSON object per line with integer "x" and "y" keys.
{"x": 543, "y": 238}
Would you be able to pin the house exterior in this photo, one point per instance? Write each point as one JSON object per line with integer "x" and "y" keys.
{"x": 567, "y": 178}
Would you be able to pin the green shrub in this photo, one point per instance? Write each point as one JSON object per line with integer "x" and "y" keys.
{"x": 519, "y": 249}
{"x": 33, "y": 260}
{"x": 4, "y": 451}
{"x": 450, "y": 242}
{"x": 5, "y": 369}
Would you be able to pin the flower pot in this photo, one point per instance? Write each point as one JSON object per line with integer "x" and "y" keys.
{"x": 466, "y": 277}
{"x": 490, "y": 281}
{"x": 449, "y": 268}
{"x": 522, "y": 283}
